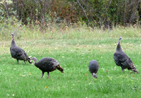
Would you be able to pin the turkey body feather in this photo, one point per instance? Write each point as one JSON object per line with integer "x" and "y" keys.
{"x": 47, "y": 64}
{"x": 122, "y": 60}
{"x": 93, "y": 67}
{"x": 17, "y": 52}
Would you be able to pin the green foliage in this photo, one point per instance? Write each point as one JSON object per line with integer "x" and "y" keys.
{"x": 99, "y": 13}
{"x": 2, "y": 13}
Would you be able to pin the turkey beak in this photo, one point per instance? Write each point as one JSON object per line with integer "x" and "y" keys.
{"x": 62, "y": 71}
{"x": 96, "y": 77}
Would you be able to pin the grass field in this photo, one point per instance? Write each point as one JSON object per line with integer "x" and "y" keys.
{"x": 74, "y": 51}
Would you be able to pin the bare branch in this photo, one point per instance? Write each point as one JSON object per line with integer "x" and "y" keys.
{"x": 84, "y": 11}
{"x": 36, "y": 1}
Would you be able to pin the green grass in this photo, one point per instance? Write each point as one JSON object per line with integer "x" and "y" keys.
{"x": 74, "y": 54}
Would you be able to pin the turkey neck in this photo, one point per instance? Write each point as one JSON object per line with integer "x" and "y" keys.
{"x": 13, "y": 44}
{"x": 36, "y": 64}
{"x": 118, "y": 46}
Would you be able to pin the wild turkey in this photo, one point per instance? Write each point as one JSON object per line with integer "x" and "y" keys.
{"x": 93, "y": 67}
{"x": 122, "y": 60}
{"x": 47, "y": 65}
{"x": 17, "y": 52}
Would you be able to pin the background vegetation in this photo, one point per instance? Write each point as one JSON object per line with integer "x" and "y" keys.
{"x": 94, "y": 13}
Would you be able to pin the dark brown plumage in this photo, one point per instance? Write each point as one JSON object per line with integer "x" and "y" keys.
{"x": 17, "y": 52}
{"x": 122, "y": 60}
{"x": 93, "y": 67}
{"x": 47, "y": 65}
